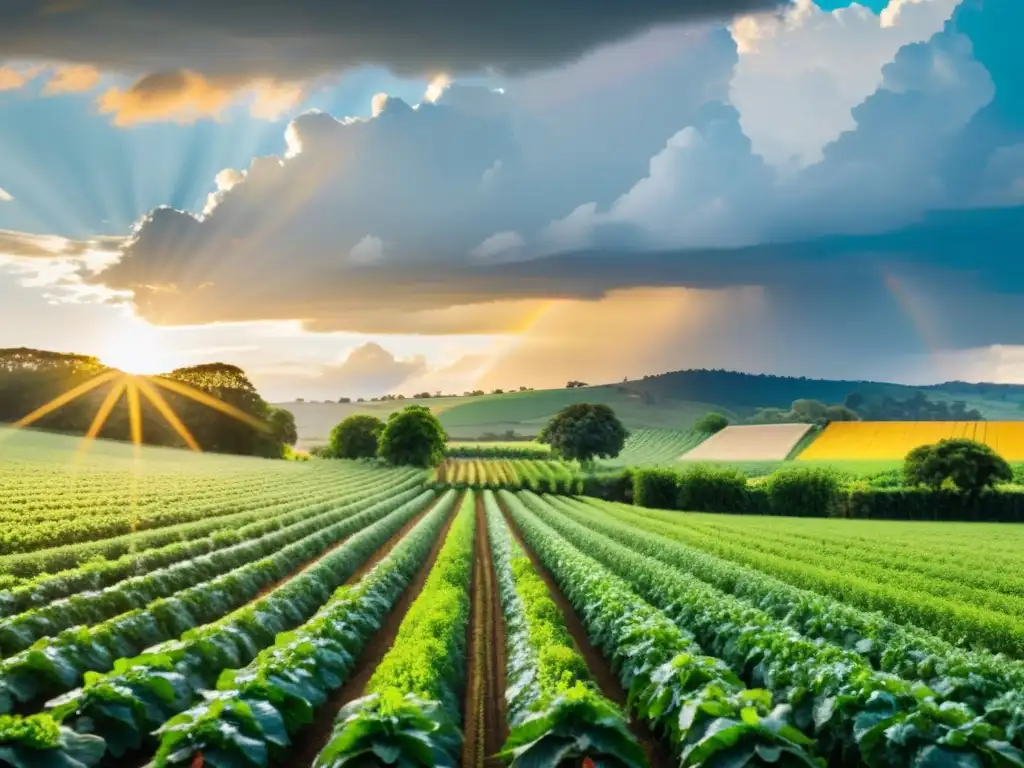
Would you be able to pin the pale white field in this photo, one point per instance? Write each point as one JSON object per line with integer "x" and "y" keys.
{"x": 762, "y": 442}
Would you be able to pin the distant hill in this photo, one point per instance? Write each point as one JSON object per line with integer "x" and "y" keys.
{"x": 671, "y": 400}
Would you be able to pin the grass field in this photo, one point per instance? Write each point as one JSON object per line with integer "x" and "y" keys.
{"x": 525, "y": 413}
{"x": 166, "y": 608}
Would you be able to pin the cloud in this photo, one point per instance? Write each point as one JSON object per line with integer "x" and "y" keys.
{"x": 308, "y": 38}
{"x": 368, "y": 371}
{"x": 801, "y": 73}
{"x": 72, "y": 79}
{"x": 5, "y": 196}
{"x": 185, "y": 96}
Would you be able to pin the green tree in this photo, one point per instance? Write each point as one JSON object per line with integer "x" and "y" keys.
{"x": 585, "y": 431}
{"x": 282, "y": 426}
{"x": 356, "y": 437}
{"x": 710, "y": 423}
{"x": 968, "y": 465}
{"x": 413, "y": 436}
{"x": 809, "y": 410}
{"x": 841, "y": 413}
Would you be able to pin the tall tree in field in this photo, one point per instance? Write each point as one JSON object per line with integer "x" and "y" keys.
{"x": 585, "y": 431}
{"x": 413, "y": 436}
{"x": 357, "y": 437}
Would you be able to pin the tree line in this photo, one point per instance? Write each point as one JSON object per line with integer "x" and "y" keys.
{"x": 31, "y": 378}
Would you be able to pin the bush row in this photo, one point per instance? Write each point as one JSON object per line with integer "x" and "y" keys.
{"x": 798, "y": 492}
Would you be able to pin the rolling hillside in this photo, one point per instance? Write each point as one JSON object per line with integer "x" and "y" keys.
{"x": 667, "y": 401}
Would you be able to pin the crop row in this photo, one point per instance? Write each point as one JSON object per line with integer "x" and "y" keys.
{"x": 58, "y": 663}
{"x": 20, "y": 631}
{"x": 99, "y": 574}
{"x": 980, "y": 678}
{"x": 703, "y": 708}
{"x": 950, "y": 561}
{"x": 42, "y": 503}
{"x": 543, "y": 476}
{"x": 997, "y": 611}
{"x": 126, "y": 706}
{"x": 56, "y": 559}
{"x": 555, "y": 711}
{"x": 411, "y": 707}
{"x": 259, "y": 709}
{"x": 950, "y": 619}
{"x": 118, "y": 518}
{"x": 857, "y": 715}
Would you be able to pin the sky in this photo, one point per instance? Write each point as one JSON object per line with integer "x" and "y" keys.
{"x": 360, "y": 198}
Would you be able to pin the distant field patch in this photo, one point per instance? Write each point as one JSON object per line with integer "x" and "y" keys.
{"x": 764, "y": 442}
{"x": 894, "y": 439}
{"x": 653, "y": 447}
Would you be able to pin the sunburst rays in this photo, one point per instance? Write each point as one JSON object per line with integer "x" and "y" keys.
{"x": 136, "y": 389}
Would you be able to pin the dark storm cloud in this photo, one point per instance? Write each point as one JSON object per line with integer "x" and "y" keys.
{"x": 304, "y": 38}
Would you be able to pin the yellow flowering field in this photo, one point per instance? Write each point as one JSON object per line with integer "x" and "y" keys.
{"x": 894, "y": 439}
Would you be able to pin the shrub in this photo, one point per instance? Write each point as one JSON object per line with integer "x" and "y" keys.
{"x": 710, "y": 423}
{"x": 704, "y": 488}
{"x": 656, "y": 488}
{"x": 356, "y": 437}
{"x": 610, "y": 486}
{"x": 413, "y": 436}
{"x": 968, "y": 465}
{"x": 803, "y": 492}
{"x": 926, "y": 504}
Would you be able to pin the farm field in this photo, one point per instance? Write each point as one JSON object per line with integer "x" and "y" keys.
{"x": 654, "y": 447}
{"x": 894, "y": 439}
{"x": 766, "y": 442}
{"x": 342, "y": 608}
{"x": 535, "y": 474}
{"x": 525, "y": 413}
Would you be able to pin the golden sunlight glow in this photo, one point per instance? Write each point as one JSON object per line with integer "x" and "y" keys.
{"x": 135, "y": 389}
{"x": 137, "y": 348}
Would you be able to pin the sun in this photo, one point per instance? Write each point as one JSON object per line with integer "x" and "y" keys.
{"x": 137, "y": 347}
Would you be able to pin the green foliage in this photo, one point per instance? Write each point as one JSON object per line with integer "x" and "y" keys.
{"x": 282, "y": 426}
{"x": 968, "y": 465}
{"x": 711, "y": 423}
{"x": 409, "y": 713}
{"x": 841, "y": 413}
{"x": 833, "y": 690}
{"x": 708, "y": 715}
{"x": 803, "y": 492}
{"x": 356, "y": 437}
{"x": 544, "y": 476}
{"x": 413, "y": 436}
{"x": 523, "y": 450}
{"x": 705, "y": 488}
{"x": 127, "y": 705}
{"x": 556, "y": 713}
{"x": 585, "y": 431}
{"x": 260, "y": 708}
{"x": 656, "y": 488}
{"x": 38, "y": 741}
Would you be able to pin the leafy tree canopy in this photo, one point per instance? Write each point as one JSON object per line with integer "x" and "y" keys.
{"x": 710, "y": 423}
{"x": 585, "y": 431}
{"x": 968, "y": 465}
{"x": 356, "y": 437}
{"x": 413, "y": 436}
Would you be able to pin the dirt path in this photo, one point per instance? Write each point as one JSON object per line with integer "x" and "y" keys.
{"x": 485, "y": 722}
{"x": 658, "y": 755}
{"x": 313, "y": 738}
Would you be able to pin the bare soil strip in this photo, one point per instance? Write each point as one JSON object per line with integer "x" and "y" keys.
{"x": 485, "y": 723}
{"x": 313, "y": 738}
{"x": 658, "y": 754}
